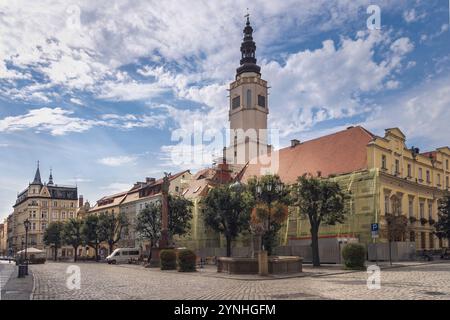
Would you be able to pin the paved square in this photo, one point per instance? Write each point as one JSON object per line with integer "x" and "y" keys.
{"x": 102, "y": 281}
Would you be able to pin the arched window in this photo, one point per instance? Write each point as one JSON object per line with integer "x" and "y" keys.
{"x": 249, "y": 98}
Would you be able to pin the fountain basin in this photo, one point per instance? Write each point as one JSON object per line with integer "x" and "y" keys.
{"x": 277, "y": 265}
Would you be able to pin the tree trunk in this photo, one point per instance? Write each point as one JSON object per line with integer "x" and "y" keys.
{"x": 390, "y": 252}
{"x": 75, "y": 253}
{"x": 96, "y": 252}
{"x": 315, "y": 245}
{"x": 55, "y": 257}
{"x": 228, "y": 239}
{"x": 150, "y": 253}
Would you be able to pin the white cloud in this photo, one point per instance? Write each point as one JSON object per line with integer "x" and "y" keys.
{"x": 76, "y": 101}
{"x": 116, "y": 187}
{"x": 58, "y": 121}
{"x": 412, "y": 16}
{"x": 118, "y": 161}
{"x": 195, "y": 36}
{"x": 421, "y": 112}
{"x": 308, "y": 87}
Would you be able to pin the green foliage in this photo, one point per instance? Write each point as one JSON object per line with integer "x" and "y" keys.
{"x": 227, "y": 210}
{"x": 323, "y": 202}
{"x": 186, "y": 260}
{"x": 53, "y": 236}
{"x": 180, "y": 215}
{"x": 72, "y": 234}
{"x": 89, "y": 233}
{"x": 354, "y": 255}
{"x": 271, "y": 197}
{"x": 396, "y": 227}
{"x": 168, "y": 259}
{"x": 110, "y": 227}
{"x": 442, "y": 226}
{"x": 148, "y": 224}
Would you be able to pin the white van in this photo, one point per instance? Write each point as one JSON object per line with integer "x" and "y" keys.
{"x": 123, "y": 255}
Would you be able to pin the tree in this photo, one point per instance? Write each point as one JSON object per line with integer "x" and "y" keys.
{"x": 396, "y": 227}
{"x": 227, "y": 210}
{"x": 53, "y": 236}
{"x": 323, "y": 202}
{"x": 271, "y": 198}
{"x": 72, "y": 235}
{"x": 148, "y": 224}
{"x": 443, "y": 225}
{"x": 110, "y": 228}
{"x": 180, "y": 215}
{"x": 90, "y": 234}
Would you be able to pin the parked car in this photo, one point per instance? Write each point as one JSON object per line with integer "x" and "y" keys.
{"x": 123, "y": 255}
{"x": 445, "y": 254}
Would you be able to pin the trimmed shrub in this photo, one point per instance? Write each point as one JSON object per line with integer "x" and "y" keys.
{"x": 186, "y": 260}
{"x": 354, "y": 255}
{"x": 168, "y": 259}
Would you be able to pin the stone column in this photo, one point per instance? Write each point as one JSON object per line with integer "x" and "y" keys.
{"x": 263, "y": 263}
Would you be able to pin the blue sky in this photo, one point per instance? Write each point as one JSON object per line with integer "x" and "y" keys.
{"x": 95, "y": 91}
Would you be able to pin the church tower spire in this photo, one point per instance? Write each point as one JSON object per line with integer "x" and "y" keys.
{"x": 248, "y": 51}
{"x": 37, "y": 176}
{"x": 248, "y": 106}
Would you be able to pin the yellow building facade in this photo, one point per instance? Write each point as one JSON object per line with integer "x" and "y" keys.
{"x": 410, "y": 183}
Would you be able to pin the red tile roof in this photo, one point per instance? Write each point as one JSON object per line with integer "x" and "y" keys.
{"x": 338, "y": 153}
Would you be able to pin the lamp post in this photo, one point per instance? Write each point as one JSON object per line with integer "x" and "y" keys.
{"x": 266, "y": 192}
{"x": 26, "y": 224}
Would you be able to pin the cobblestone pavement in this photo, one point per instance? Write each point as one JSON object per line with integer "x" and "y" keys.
{"x": 102, "y": 281}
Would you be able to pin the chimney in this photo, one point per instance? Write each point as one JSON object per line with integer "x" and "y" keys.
{"x": 80, "y": 201}
{"x": 149, "y": 180}
{"x": 294, "y": 143}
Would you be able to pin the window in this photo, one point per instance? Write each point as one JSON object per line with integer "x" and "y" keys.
{"x": 383, "y": 162}
{"x": 249, "y": 98}
{"x": 71, "y": 204}
{"x": 397, "y": 166}
{"x": 438, "y": 179}
{"x": 412, "y": 236}
{"x": 447, "y": 182}
{"x": 261, "y": 101}
{"x": 177, "y": 189}
{"x": 420, "y": 174}
{"x": 428, "y": 176}
{"x": 422, "y": 210}
{"x": 63, "y": 215}
{"x": 55, "y": 215}
{"x": 55, "y": 204}
{"x": 411, "y": 207}
{"x": 43, "y": 226}
{"x": 431, "y": 241}
{"x": 409, "y": 171}
{"x": 236, "y": 102}
{"x": 44, "y": 204}
{"x": 71, "y": 215}
{"x": 33, "y": 226}
{"x": 44, "y": 215}
{"x": 446, "y": 164}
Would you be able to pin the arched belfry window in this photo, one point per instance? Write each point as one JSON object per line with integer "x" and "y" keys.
{"x": 249, "y": 98}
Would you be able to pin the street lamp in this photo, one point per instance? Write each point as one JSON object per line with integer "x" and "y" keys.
{"x": 26, "y": 224}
